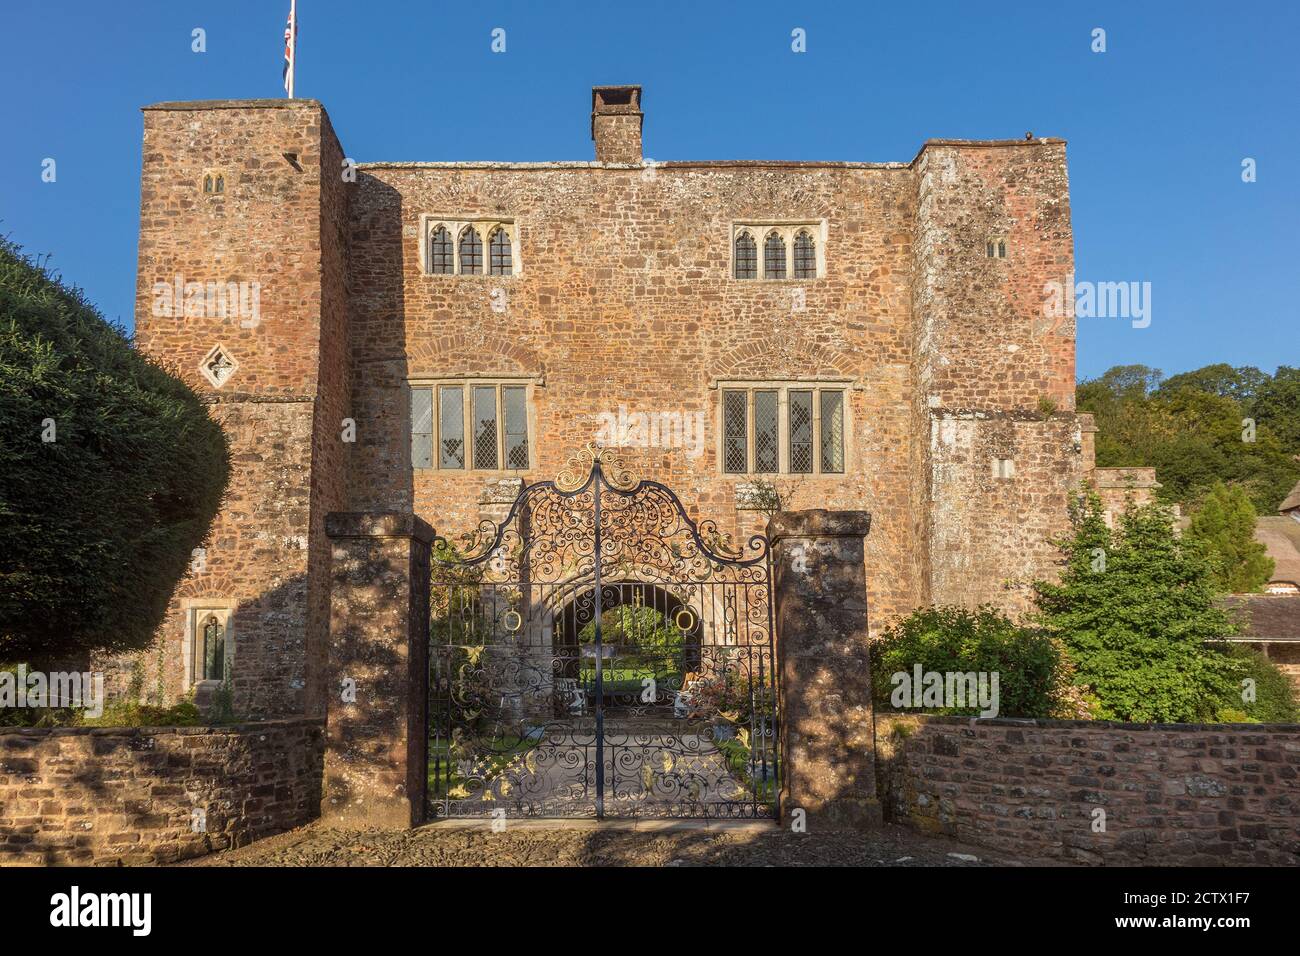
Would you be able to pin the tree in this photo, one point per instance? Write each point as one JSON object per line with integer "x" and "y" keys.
{"x": 1276, "y": 407}
{"x": 112, "y": 468}
{"x": 1135, "y": 608}
{"x": 1224, "y": 528}
{"x": 1238, "y": 384}
{"x": 1193, "y": 428}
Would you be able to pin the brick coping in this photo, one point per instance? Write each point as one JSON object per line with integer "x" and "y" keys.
{"x": 197, "y": 729}
{"x": 1046, "y": 724}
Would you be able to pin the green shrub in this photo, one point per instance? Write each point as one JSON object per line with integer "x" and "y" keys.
{"x": 98, "y": 525}
{"x": 1224, "y": 528}
{"x": 1275, "y": 698}
{"x": 1033, "y": 671}
{"x": 1136, "y": 610}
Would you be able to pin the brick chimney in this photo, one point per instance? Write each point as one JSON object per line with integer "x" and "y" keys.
{"x": 616, "y": 123}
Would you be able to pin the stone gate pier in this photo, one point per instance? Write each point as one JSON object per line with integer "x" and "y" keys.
{"x": 827, "y": 741}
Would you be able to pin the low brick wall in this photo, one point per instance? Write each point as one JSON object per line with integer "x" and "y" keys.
{"x": 109, "y": 796}
{"x": 1172, "y": 793}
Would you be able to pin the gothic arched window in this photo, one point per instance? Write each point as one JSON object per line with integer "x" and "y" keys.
{"x": 805, "y": 256}
{"x": 471, "y": 252}
{"x": 499, "y": 253}
{"x": 441, "y": 260}
{"x": 774, "y": 256}
{"x": 746, "y": 257}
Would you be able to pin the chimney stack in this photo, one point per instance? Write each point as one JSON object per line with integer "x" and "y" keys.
{"x": 616, "y": 123}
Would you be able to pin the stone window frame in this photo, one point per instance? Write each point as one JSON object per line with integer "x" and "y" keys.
{"x": 996, "y": 247}
{"x": 455, "y": 226}
{"x": 196, "y": 609}
{"x": 760, "y": 229}
{"x": 783, "y": 387}
{"x": 467, "y": 384}
{"x": 213, "y": 183}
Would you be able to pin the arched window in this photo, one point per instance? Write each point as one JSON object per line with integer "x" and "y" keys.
{"x": 774, "y": 256}
{"x": 805, "y": 256}
{"x": 996, "y": 248}
{"x": 441, "y": 260}
{"x": 207, "y": 183}
{"x": 221, "y": 183}
{"x": 746, "y": 257}
{"x": 471, "y": 252}
{"x": 499, "y": 253}
{"x": 213, "y": 651}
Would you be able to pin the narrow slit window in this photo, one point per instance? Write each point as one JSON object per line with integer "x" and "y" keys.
{"x": 767, "y": 435}
{"x": 515, "y": 412}
{"x": 801, "y": 432}
{"x": 421, "y": 428}
{"x": 212, "y": 657}
{"x": 832, "y": 432}
{"x": 442, "y": 261}
{"x": 499, "y": 262}
{"x": 485, "y": 427}
{"x": 471, "y": 253}
{"x": 735, "y": 430}
{"x": 746, "y": 258}
{"x": 451, "y": 427}
{"x": 805, "y": 256}
{"x": 774, "y": 257}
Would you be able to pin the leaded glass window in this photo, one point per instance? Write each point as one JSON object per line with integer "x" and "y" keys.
{"x": 471, "y": 252}
{"x": 783, "y": 429}
{"x": 832, "y": 432}
{"x": 451, "y": 427}
{"x": 746, "y": 257}
{"x": 421, "y": 428}
{"x": 774, "y": 256}
{"x": 499, "y": 253}
{"x": 801, "y": 432}
{"x": 735, "y": 430}
{"x": 485, "y": 426}
{"x": 805, "y": 256}
{"x": 442, "y": 260}
{"x": 514, "y": 410}
{"x": 767, "y": 433}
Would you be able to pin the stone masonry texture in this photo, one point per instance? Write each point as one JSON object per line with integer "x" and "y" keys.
{"x": 622, "y": 295}
{"x": 111, "y": 796}
{"x": 1172, "y": 794}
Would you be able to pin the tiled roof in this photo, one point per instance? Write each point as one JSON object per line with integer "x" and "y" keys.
{"x": 1281, "y": 536}
{"x": 1268, "y": 617}
{"x": 1292, "y": 500}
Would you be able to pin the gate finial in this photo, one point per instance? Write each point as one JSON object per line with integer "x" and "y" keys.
{"x": 581, "y": 465}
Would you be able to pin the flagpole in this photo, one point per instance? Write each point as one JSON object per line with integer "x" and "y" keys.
{"x": 293, "y": 42}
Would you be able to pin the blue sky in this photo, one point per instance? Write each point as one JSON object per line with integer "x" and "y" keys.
{"x": 1158, "y": 124}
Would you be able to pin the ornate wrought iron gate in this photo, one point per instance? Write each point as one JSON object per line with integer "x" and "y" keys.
{"x": 601, "y": 654}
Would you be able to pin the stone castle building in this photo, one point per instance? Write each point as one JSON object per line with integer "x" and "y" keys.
{"x": 425, "y": 336}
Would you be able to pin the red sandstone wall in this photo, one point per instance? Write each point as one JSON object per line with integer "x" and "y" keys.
{"x": 626, "y": 298}
{"x": 281, "y": 223}
{"x": 1181, "y": 794}
{"x": 93, "y": 796}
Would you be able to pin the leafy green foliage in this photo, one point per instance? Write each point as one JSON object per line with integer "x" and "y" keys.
{"x": 1135, "y": 608}
{"x": 1224, "y": 528}
{"x": 1034, "y": 674}
{"x": 1275, "y": 698}
{"x": 97, "y": 526}
{"x": 1190, "y": 428}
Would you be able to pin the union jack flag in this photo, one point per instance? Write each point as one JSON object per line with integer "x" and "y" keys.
{"x": 290, "y": 35}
